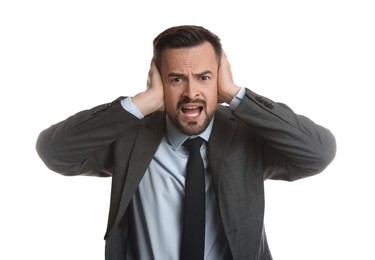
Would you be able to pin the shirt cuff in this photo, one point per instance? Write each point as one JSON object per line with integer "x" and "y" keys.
{"x": 128, "y": 105}
{"x": 237, "y": 99}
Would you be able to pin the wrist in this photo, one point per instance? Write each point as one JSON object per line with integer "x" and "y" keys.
{"x": 147, "y": 102}
{"x": 144, "y": 103}
{"x": 229, "y": 94}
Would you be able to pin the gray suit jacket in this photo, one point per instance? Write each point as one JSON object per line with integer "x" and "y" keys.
{"x": 261, "y": 139}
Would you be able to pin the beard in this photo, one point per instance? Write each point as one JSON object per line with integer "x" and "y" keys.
{"x": 192, "y": 127}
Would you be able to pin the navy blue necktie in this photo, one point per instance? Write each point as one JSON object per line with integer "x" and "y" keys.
{"x": 194, "y": 216}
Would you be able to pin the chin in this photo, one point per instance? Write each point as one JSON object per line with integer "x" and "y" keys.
{"x": 193, "y": 127}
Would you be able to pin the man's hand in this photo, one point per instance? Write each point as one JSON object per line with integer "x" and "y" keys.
{"x": 226, "y": 88}
{"x": 152, "y": 99}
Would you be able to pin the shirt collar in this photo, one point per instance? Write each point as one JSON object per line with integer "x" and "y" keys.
{"x": 176, "y": 138}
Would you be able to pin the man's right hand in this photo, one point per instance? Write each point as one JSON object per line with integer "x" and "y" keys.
{"x": 152, "y": 99}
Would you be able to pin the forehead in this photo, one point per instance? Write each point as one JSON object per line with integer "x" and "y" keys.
{"x": 180, "y": 59}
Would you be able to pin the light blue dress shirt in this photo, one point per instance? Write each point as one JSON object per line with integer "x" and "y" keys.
{"x": 158, "y": 202}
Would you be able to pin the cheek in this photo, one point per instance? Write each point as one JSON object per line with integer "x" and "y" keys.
{"x": 212, "y": 99}
{"x": 170, "y": 100}
{"x": 212, "y": 105}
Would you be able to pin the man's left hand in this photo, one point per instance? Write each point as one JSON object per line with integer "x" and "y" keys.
{"x": 226, "y": 87}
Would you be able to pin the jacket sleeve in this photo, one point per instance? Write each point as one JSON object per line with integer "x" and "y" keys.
{"x": 81, "y": 144}
{"x": 293, "y": 147}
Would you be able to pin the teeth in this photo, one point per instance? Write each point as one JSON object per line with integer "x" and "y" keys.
{"x": 192, "y": 111}
{"x": 193, "y": 115}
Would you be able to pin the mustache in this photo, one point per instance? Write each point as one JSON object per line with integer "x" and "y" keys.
{"x": 187, "y": 100}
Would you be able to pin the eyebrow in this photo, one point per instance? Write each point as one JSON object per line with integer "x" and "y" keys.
{"x": 181, "y": 75}
{"x": 175, "y": 74}
{"x": 203, "y": 73}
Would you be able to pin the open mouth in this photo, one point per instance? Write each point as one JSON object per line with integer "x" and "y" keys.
{"x": 191, "y": 111}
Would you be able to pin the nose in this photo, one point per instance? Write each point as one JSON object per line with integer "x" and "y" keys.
{"x": 191, "y": 90}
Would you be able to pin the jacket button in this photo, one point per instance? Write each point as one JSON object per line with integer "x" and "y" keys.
{"x": 268, "y": 104}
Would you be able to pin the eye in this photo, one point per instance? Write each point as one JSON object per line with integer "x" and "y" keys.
{"x": 176, "y": 80}
{"x": 204, "y": 78}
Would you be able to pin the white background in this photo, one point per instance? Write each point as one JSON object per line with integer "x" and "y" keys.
{"x": 60, "y": 57}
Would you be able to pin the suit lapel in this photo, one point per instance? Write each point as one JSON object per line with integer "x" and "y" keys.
{"x": 218, "y": 145}
{"x": 145, "y": 146}
{"x": 241, "y": 208}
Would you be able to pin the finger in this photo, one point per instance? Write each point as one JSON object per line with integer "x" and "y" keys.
{"x": 224, "y": 60}
{"x": 154, "y": 72}
{"x": 150, "y": 72}
{"x": 224, "y": 57}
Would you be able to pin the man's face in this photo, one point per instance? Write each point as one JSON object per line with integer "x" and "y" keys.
{"x": 189, "y": 78}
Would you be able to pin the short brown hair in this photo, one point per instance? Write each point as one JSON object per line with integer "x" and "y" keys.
{"x": 185, "y": 36}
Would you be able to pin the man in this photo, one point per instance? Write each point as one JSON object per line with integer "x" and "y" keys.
{"x": 140, "y": 142}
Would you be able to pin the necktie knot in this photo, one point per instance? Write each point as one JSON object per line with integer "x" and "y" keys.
{"x": 193, "y": 145}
